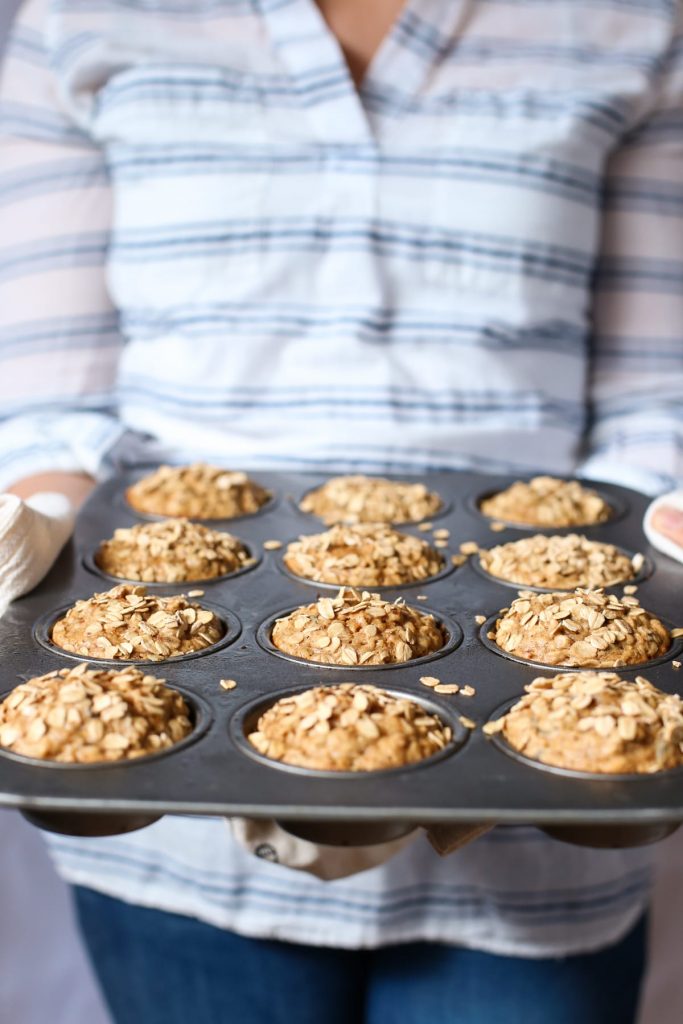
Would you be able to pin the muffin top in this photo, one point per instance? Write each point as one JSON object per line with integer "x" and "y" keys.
{"x": 198, "y": 491}
{"x": 348, "y": 728}
{"x": 171, "y": 551}
{"x": 369, "y": 499}
{"x": 561, "y": 562}
{"x": 84, "y": 715}
{"x": 547, "y": 501}
{"x": 584, "y": 629}
{"x": 128, "y": 623}
{"x": 596, "y": 722}
{"x": 365, "y": 555}
{"x": 357, "y": 629}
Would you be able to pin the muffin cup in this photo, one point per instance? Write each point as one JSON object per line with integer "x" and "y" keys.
{"x": 454, "y": 639}
{"x": 618, "y": 506}
{"x": 42, "y": 634}
{"x": 90, "y": 563}
{"x": 675, "y": 648}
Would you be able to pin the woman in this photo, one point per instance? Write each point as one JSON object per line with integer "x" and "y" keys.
{"x": 272, "y": 233}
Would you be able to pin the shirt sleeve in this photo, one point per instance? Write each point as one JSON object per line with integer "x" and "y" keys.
{"x": 59, "y": 337}
{"x": 635, "y": 433}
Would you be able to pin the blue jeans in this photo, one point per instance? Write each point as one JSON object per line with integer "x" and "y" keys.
{"x": 159, "y": 968}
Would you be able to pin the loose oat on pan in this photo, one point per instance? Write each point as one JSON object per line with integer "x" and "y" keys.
{"x": 198, "y": 492}
{"x": 366, "y": 499}
{"x": 547, "y": 501}
{"x": 171, "y": 551}
{"x": 584, "y": 629}
{"x": 128, "y": 623}
{"x": 348, "y": 728}
{"x": 596, "y": 722}
{"x": 365, "y": 555}
{"x": 358, "y": 628}
{"x": 84, "y": 715}
{"x": 562, "y": 563}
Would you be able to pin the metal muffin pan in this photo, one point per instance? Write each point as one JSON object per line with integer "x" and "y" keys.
{"x": 216, "y": 774}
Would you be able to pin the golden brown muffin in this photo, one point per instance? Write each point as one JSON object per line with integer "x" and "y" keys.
{"x": 197, "y": 492}
{"x": 171, "y": 551}
{"x": 348, "y": 728}
{"x": 560, "y": 562}
{"x": 547, "y": 501}
{"x": 584, "y": 629}
{"x": 365, "y": 555}
{"x": 128, "y": 623}
{"x": 368, "y": 499}
{"x": 357, "y": 629}
{"x": 85, "y": 715}
{"x": 596, "y": 722}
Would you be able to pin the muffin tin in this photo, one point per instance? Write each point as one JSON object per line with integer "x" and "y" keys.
{"x": 216, "y": 772}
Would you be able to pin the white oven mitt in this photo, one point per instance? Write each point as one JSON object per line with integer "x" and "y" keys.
{"x": 32, "y": 533}
{"x": 658, "y": 540}
{"x": 267, "y": 840}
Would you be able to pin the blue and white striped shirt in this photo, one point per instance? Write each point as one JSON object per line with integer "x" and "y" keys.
{"x": 209, "y": 236}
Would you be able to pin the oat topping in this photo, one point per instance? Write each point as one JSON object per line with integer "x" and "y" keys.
{"x": 366, "y": 499}
{"x": 85, "y": 715}
{"x": 127, "y": 622}
{"x": 585, "y": 629}
{"x": 597, "y": 722}
{"x": 172, "y": 551}
{"x": 365, "y": 555}
{"x": 558, "y": 562}
{"x": 198, "y": 491}
{"x": 358, "y": 629}
{"x": 348, "y": 728}
{"x": 547, "y": 501}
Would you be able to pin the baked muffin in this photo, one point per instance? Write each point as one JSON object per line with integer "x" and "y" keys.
{"x": 171, "y": 551}
{"x": 84, "y": 715}
{"x": 584, "y": 629}
{"x": 197, "y": 492}
{"x": 348, "y": 728}
{"x": 547, "y": 501}
{"x": 365, "y": 555}
{"x": 370, "y": 499}
{"x": 560, "y": 562}
{"x": 596, "y": 722}
{"x": 128, "y": 623}
{"x": 357, "y": 629}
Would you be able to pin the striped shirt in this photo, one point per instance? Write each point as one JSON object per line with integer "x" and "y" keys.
{"x": 212, "y": 245}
